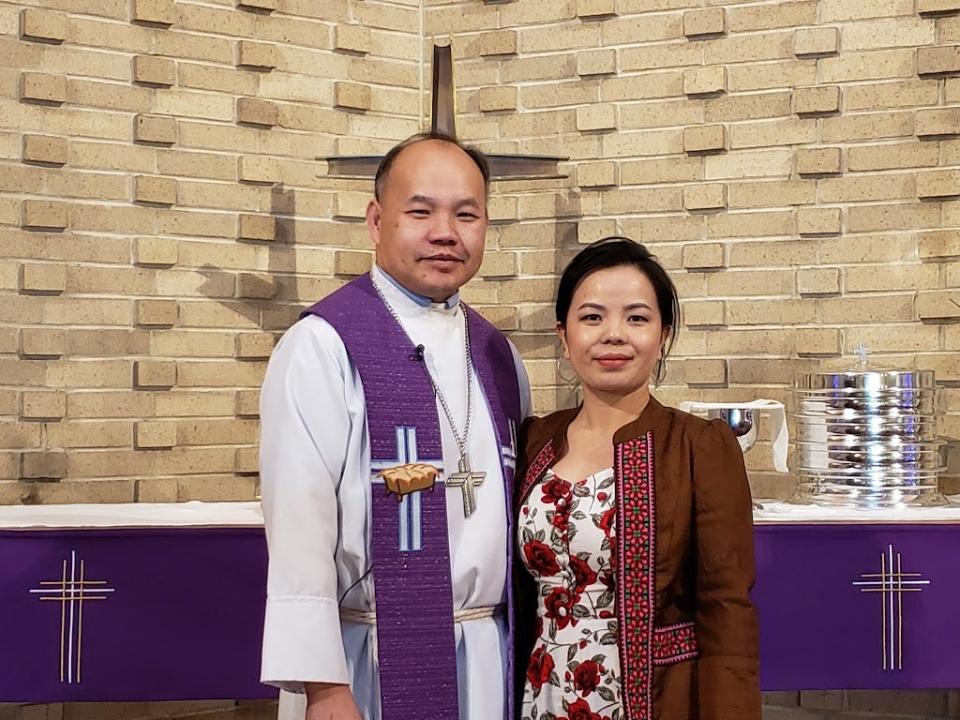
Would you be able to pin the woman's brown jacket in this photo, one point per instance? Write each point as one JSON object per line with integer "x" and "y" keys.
{"x": 688, "y": 632}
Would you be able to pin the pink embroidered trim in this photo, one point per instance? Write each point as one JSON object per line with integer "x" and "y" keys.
{"x": 636, "y": 565}
{"x": 536, "y": 470}
{"x": 674, "y": 643}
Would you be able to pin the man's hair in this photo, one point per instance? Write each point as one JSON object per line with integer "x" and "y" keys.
{"x": 383, "y": 171}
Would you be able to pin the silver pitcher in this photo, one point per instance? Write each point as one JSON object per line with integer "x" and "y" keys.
{"x": 743, "y": 422}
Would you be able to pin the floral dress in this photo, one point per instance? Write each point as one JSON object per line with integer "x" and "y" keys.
{"x": 566, "y": 533}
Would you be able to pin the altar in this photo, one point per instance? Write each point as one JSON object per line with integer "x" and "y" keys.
{"x": 165, "y": 601}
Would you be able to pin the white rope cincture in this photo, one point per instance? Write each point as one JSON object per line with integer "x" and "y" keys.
{"x": 369, "y": 617}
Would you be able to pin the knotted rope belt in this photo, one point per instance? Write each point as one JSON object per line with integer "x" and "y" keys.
{"x": 369, "y": 617}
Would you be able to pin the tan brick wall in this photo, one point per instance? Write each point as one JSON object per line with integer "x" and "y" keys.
{"x": 163, "y": 217}
{"x": 795, "y": 164}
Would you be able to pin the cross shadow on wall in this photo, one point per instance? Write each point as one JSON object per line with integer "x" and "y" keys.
{"x": 261, "y": 295}
{"x": 266, "y": 298}
{"x": 571, "y": 235}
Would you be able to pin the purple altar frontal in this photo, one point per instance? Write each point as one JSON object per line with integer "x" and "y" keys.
{"x": 169, "y": 606}
{"x": 858, "y": 599}
{"x": 165, "y": 602}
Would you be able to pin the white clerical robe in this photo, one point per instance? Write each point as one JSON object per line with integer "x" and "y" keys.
{"x": 315, "y": 474}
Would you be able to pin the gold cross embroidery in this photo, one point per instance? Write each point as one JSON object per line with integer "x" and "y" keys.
{"x": 72, "y": 590}
{"x": 891, "y": 582}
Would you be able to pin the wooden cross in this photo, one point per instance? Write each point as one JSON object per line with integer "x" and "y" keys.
{"x": 443, "y": 120}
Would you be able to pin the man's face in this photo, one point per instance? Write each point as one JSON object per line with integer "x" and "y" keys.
{"x": 430, "y": 223}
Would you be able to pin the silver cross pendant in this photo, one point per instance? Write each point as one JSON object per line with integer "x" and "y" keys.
{"x": 468, "y": 481}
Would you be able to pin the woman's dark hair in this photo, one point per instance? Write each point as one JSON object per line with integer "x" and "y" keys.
{"x": 616, "y": 251}
{"x": 383, "y": 170}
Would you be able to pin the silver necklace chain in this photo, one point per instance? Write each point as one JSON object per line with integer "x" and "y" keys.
{"x": 460, "y": 440}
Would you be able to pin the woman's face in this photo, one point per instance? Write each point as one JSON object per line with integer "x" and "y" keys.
{"x": 613, "y": 335}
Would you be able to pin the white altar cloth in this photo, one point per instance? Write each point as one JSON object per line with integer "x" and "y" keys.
{"x": 248, "y": 514}
{"x": 188, "y": 514}
{"x": 775, "y": 512}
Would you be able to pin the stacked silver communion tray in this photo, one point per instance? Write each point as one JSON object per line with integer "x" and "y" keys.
{"x": 868, "y": 437}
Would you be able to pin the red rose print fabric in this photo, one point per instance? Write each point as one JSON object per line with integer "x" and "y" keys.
{"x": 567, "y": 533}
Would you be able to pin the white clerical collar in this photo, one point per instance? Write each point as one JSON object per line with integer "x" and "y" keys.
{"x": 389, "y": 283}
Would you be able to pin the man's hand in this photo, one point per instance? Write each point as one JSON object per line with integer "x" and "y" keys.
{"x": 326, "y": 701}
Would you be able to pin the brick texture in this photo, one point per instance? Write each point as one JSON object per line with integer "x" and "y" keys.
{"x": 42, "y": 279}
{"x": 704, "y": 139}
{"x": 936, "y": 7}
{"x": 596, "y": 8}
{"x": 819, "y": 161}
{"x": 705, "y": 81}
{"x": 45, "y": 214}
{"x": 498, "y": 42}
{"x": 154, "y": 374}
{"x": 938, "y": 60}
{"x": 710, "y": 21}
{"x": 155, "y": 252}
{"x": 254, "y": 111}
{"x": 938, "y": 122}
{"x": 821, "y": 41}
{"x": 353, "y": 38}
{"x": 257, "y": 227}
{"x": 43, "y": 26}
{"x": 155, "y": 190}
{"x": 155, "y": 435}
{"x": 43, "y": 405}
{"x": 149, "y": 70}
{"x": 156, "y": 313}
{"x": 155, "y": 12}
{"x": 265, "y": 6}
{"x": 494, "y": 99}
{"x": 597, "y": 62}
{"x": 43, "y": 88}
{"x": 352, "y": 96}
{"x": 41, "y": 343}
{"x": 816, "y": 100}
{"x": 155, "y": 129}
{"x": 256, "y": 55}
{"x": 44, "y": 150}
{"x": 351, "y": 263}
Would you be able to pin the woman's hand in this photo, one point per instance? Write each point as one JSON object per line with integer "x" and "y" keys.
{"x": 326, "y": 701}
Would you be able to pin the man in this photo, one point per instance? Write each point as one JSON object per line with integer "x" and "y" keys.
{"x": 388, "y": 590}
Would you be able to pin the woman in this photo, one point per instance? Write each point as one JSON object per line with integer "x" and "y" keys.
{"x": 635, "y": 524}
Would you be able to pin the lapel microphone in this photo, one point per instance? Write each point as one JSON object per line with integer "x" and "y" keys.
{"x": 418, "y": 353}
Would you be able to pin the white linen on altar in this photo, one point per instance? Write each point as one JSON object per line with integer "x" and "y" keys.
{"x": 249, "y": 514}
{"x": 315, "y": 475}
{"x": 132, "y": 515}
{"x": 774, "y": 512}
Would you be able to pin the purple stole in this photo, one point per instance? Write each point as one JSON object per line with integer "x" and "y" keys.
{"x": 410, "y": 544}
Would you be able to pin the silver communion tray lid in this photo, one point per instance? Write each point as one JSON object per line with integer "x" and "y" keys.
{"x": 866, "y": 437}
{"x": 867, "y": 380}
